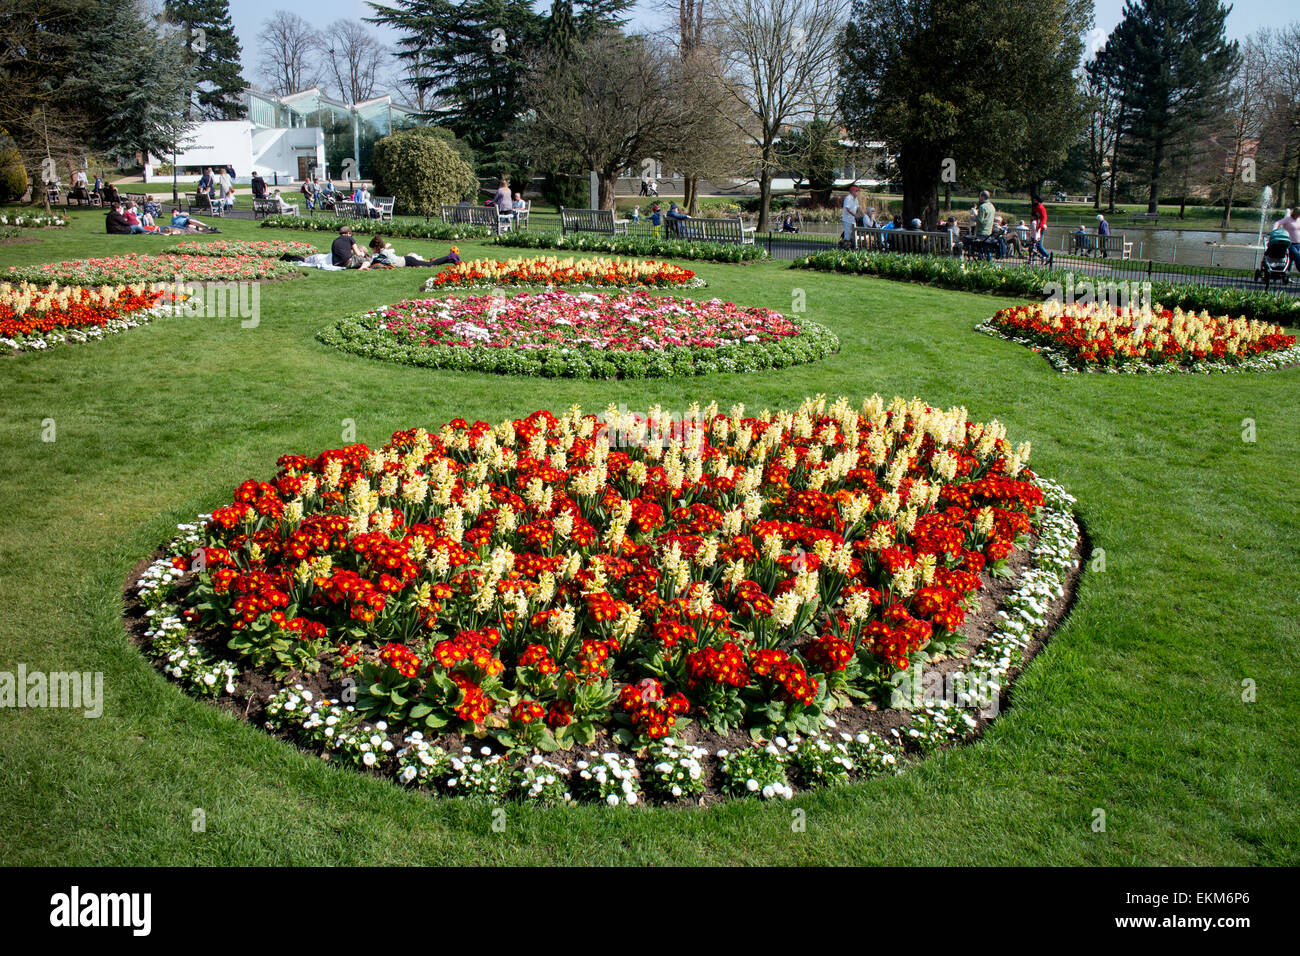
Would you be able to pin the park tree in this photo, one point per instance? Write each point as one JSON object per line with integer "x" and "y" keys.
{"x": 1236, "y": 131}
{"x": 1278, "y": 154}
{"x": 140, "y": 84}
{"x": 606, "y": 104}
{"x": 1102, "y": 106}
{"x": 290, "y": 47}
{"x": 1172, "y": 62}
{"x": 941, "y": 81}
{"x": 472, "y": 58}
{"x": 813, "y": 153}
{"x": 213, "y": 51}
{"x": 776, "y": 62}
{"x": 354, "y": 60}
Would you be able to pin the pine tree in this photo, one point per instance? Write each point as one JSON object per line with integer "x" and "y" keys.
{"x": 1172, "y": 61}
{"x": 560, "y": 32}
{"x": 215, "y": 52}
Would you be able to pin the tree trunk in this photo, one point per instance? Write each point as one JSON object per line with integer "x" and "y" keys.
{"x": 1227, "y": 202}
{"x": 764, "y": 197}
{"x": 1153, "y": 191}
{"x": 691, "y": 185}
{"x": 606, "y": 183}
{"x": 920, "y": 189}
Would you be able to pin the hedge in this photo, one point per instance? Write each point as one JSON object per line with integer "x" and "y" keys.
{"x": 1029, "y": 283}
{"x": 646, "y": 246}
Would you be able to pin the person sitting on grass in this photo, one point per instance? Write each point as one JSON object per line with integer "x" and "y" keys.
{"x": 116, "y": 222}
{"x": 384, "y": 256}
{"x": 345, "y": 253}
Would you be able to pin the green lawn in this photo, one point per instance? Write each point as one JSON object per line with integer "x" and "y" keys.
{"x": 1135, "y": 707}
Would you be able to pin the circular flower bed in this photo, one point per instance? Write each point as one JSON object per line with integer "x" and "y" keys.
{"x": 165, "y": 267}
{"x": 35, "y": 318}
{"x": 458, "y": 604}
{"x": 602, "y": 335}
{"x": 1101, "y": 337}
{"x": 266, "y": 248}
{"x": 548, "y": 270}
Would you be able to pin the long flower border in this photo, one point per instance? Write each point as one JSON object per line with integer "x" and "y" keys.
{"x": 1062, "y": 360}
{"x": 667, "y": 770}
{"x": 363, "y": 335}
{"x": 70, "y": 335}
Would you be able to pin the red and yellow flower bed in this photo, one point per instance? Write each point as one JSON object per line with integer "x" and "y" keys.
{"x": 35, "y": 318}
{"x": 1101, "y": 336}
{"x": 553, "y": 576}
{"x": 550, "y": 270}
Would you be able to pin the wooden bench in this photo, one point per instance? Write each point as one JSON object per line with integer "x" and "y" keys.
{"x": 591, "y": 220}
{"x": 79, "y": 195}
{"x": 138, "y": 198}
{"x": 902, "y": 240}
{"x": 385, "y": 206}
{"x": 204, "y": 204}
{"x": 1091, "y": 244}
{"x": 1145, "y": 217}
{"x": 709, "y": 230}
{"x": 265, "y": 207}
{"x": 477, "y": 216}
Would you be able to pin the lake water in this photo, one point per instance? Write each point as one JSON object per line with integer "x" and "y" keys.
{"x": 1185, "y": 246}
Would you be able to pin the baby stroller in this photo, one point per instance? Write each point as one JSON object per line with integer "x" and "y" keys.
{"x": 1277, "y": 252}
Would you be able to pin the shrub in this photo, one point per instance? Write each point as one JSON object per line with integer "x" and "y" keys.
{"x": 1030, "y": 283}
{"x": 421, "y": 172}
{"x": 635, "y": 246}
{"x": 13, "y": 177}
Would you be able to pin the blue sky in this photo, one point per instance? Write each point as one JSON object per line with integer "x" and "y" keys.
{"x": 1246, "y": 17}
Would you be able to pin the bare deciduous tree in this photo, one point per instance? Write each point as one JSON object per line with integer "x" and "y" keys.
{"x": 608, "y": 103}
{"x": 290, "y": 46}
{"x": 777, "y": 61}
{"x": 354, "y": 59}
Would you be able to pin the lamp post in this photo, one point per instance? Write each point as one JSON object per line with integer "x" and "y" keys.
{"x": 176, "y": 196}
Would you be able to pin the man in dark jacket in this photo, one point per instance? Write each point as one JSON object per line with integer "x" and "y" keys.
{"x": 117, "y": 223}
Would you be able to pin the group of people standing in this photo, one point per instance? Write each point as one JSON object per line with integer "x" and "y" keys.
{"x": 219, "y": 187}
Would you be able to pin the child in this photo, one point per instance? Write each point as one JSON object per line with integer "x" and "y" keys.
{"x": 636, "y": 215}
{"x": 656, "y": 221}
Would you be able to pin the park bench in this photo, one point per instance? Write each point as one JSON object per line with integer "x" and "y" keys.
{"x": 385, "y": 206}
{"x": 265, "y": 207}
{"x": 591, "y": 220}
{"x": 137, "y": 198}
{"x": 108, "y": 193}
{"x": 477, "y": 216}
{"x": 710, "y": 230}
{"x": 203, "y": 203}
{"x": 1091, "y": 244}
{"x": 903, "y": 240}
{"x": 1142, "y": 217}
{"x": 980, "y": 247}
{"x": 79, "y": 195}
